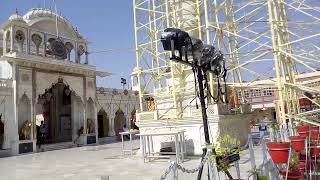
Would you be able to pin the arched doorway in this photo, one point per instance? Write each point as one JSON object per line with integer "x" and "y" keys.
{"x": 103, "y": 123}
{"x": 119, "y": 120}
{"x": 56, "y": 110}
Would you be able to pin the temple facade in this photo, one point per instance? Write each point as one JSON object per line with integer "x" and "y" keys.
{"x": 45, "y": 75}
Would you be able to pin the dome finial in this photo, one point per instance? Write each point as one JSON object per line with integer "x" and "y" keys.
{"x": 17, "y": 12}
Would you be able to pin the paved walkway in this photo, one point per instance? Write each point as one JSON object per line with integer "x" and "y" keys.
{"x": 90, "y": 163}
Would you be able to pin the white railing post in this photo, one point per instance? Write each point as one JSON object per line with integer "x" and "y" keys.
{"x": 213, "y": 171}
{"x": 251, "y": 150}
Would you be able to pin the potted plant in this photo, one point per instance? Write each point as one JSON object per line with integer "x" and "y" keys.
{"x": 255, "y": 174}
{"x": 302, "y": 129}
{"x": 226, "y": 151}
{"x": 296, "y": 169}
{"x": 297, "y": 142}
{"x": 279, "y": 151}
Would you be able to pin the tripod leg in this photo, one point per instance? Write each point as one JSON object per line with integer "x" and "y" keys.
{"x": 201, "y": 169}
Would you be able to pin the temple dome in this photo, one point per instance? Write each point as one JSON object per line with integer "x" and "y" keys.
{"x": 37, "y": 14}
{"x": 16, "y": 17}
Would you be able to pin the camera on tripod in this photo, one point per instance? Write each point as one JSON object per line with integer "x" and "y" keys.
{"x": 204, "y": 56}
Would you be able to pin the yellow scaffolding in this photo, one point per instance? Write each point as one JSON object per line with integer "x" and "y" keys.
{"x": 272, "y": 40}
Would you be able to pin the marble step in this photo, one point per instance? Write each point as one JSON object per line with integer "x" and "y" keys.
{"x": 56, "y": 146}
{"x": 5, "y": 153}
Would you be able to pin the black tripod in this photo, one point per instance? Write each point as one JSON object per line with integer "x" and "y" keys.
{"x": 200, "y": 77}
{"x": 205, "y": 59}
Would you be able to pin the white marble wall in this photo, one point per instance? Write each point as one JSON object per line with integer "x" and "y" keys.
{"x": 112, "y": 102}
{"x": 237, "y": 126}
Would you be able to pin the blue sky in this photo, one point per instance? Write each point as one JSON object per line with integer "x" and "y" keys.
{"x": 108, "y": 24}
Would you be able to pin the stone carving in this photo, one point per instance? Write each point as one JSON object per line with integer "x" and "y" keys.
{"x": 69, "y": 46}
{"x": 90, "y": 126}
{"x": 25, "y": 131}
{"x": 36, "y": 39}
{"x": 58, "y": 49}
{"x": 81, "y": 50}
{"x": 20, "y": 37}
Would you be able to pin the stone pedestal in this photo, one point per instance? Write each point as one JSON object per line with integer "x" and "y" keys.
{"x": 220, "y": 122}
{"x": 26, "y": 146}
{"x": 86, "y": 139}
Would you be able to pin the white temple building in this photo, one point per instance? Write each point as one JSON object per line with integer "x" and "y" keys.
{"x": 45, "y": 75}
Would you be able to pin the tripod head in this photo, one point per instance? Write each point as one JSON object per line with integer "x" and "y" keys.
{"x": 206, "y": 58}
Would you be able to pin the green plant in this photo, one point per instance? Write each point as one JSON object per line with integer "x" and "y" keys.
{"x": 275, "y": 126}
{"x": 225, "y": 148}
{"x": 256, "y": 174}
{"x": 297, "y": 122}
{"x": 274, "y": 133}
{"x": 294, "y": 160}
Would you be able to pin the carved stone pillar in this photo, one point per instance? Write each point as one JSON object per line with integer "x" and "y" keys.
{"x": 111, "y": 124}
{"x": 12, "y": 38}
{"x": 87, "y": 55}
{"x": 44, "y": 44}
{"x": 28, "y": 41}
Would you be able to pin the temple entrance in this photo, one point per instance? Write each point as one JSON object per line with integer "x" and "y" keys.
{"x": 119, "y": 121}
{"x": 56, "y": 110}
{"x": 103, "y": 123}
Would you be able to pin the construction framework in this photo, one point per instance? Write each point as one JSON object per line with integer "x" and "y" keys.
{"x": 274, "y": 40}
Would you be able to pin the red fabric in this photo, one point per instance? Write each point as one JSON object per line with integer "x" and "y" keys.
{"x": 118, "y": 131}
{"x": 125, "y": 92}
{"x": 45, "y": 113}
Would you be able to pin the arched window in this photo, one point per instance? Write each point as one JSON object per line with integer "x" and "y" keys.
{"x": 37, "y": 40}
{"x": 20, "y": 37}
{"x": 70, "y": 48}
{"x": 81, "y": 54}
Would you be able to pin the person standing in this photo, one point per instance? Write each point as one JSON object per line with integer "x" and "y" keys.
{"x": 43, "y": 131}
{"x": 125, "y": 129}
{"x": 263, "y": 126}
{"x": 80, "y": 131}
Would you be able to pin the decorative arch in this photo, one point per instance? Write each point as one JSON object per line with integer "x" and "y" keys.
{"x": 103, "y": 123}
{"x": 90, "y": 116}
{"x": 70, "y": 50}
{"x": 74, "y": 83}
{"x": 20, "y": 37}
{"x": 24, "y": 118}
{"x": 36, "y": 39}
{"x": 119, "y": 120}
{"x": 81, "y": 50}
{"x": 62, "y": 112}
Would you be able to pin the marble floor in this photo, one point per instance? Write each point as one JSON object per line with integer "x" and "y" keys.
{"x": 96, "y": 163}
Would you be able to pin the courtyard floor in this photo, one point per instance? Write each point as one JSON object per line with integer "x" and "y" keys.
{"x": 93, "y": 162}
